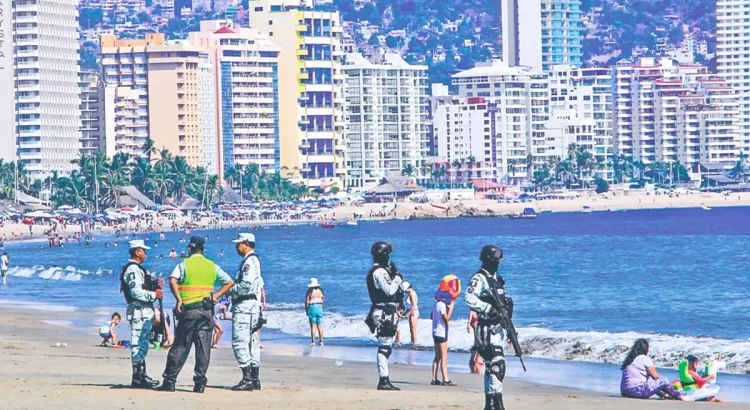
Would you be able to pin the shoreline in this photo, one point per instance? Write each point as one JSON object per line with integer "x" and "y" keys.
{"x": 384, "y": 212}
{"x": 294, "y": 376}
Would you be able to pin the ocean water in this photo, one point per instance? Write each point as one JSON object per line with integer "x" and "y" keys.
{"x": 585, "y": 285}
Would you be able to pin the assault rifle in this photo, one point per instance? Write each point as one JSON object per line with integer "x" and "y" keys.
{"x": 504, "y": 306}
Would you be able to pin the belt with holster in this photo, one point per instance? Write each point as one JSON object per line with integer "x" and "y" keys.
{"x": 241, "y": 299}
{"x": 205, "y": 304}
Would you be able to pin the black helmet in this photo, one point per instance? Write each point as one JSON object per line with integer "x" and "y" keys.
{"x": 381, "y": 248}
{"x": 490, "y": 253}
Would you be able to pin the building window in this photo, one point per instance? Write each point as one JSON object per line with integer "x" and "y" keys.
{"x": 270, "y": 34}
{"x": 270, "y": 22}
{"x": 259, "y": 8}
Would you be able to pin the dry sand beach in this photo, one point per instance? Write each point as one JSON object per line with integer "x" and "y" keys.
{"x": 36, "y": 375}
{"x": 454, "y": 209}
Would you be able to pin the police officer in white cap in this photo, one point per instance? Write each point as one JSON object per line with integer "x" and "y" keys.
{"x": 141, "y": 289}
{"x": 247, "y": 317}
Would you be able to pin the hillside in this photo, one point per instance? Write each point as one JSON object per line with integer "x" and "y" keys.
{"x": 450, "y": 36}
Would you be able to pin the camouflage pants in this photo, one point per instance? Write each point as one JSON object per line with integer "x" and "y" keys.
{"x": 140, "y": 328}
{"x": 245, "y": 342}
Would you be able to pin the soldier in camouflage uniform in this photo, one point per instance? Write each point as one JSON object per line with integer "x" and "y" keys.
{"x": 247, "y": 316}
{"x": 141, "y": 289}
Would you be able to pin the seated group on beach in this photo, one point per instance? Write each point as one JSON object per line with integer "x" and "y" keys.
{"x": 640, "y": 380}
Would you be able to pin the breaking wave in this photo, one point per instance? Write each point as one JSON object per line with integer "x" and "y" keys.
{"x": 600, "y": 347}
{"x": 69, "y": 273}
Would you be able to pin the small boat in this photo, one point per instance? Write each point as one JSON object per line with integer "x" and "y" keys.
{"x": 351, "y": 223}
{"x": 586, "y": 209}
{"x": 705, "y": 208}
{"x": 327, "y": 224}
{"x": 528, "y": 213}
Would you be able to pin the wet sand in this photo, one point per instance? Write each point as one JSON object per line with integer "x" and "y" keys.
{"x": 34, "y": 374}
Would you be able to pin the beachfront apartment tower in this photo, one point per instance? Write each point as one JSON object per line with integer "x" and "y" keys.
{"x": 7, "y": 85}
{"x": 542, "y": 33}
{"x": 311, "y": 97}
{"x": 668, "y": 112}
{"x": 581, "y": 113}
{"x": 47, "y": 97}
{"x": 162, "y": 80}
{"x": 207, "y": 115}
{"x": 521, "y": 97}
{"x": 387, "y": 118}
{"x": 91, "y": 113}
{"x": 247, "y": 85}
{"x": 733, "y": 57}
{"x": 468, "y": 128}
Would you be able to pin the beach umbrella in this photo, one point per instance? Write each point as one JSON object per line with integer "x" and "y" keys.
{"x": 38, "y": 214}
{"x": 126, "y": 209}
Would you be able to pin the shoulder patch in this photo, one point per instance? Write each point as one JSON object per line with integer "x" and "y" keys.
{"x": 132, "y": 285}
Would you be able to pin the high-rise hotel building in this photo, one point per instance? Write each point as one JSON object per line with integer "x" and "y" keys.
{"x": 151, "y": 91}
{"x": 311, "y": 97}
{"x": 542, "y": 33}
{"x": 247, "y": 84}
{"x": 47, "y": 97}
{"x": 733, "y": 56}
{"x": 387, "y": 116}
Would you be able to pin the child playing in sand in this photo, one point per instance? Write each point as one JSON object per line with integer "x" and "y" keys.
{"x": 107, "y": 331}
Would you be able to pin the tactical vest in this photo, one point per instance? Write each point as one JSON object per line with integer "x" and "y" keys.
{"x": 149, "y": 284}
{"x": 199, "y": 281}
{"x": 378, "y": 296}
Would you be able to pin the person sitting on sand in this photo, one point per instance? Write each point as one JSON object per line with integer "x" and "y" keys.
{"x": 169, "y": 338}
{"x": 640, "y": 380}
{"x": 107, "y": 331}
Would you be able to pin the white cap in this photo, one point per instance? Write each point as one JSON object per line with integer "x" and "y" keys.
{"x": 138, "y": 243}
{"x": 405, "y": 286}
{"x": 245, "y": 237}
{"x": 313, "y": 283}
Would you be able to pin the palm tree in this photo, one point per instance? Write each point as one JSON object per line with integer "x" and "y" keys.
{"x": 738, "y": 171}
{"x": 456, "y": 164}
{"x": 408, "y": 170}
{"x": 529, "y": 167}
{"x": 149, "y": 149}
{"x": 233, "y": 175}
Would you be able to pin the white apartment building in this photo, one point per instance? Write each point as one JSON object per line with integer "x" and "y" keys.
{"x": 522, "y": 99}
{"x": 581, "y": 113}
{"x": 7, "y": 85}
{"x": 466, "y": 128}
{"x": 47, "y": 97}
{"x": 311, "y": 94}
{"x": 733, "y": 56}
{"x": 247, "y": 106}
{"x": 668, "y": 112}
{"x": 92, "y": 133}
{"x": 207, "y": 116}
{"x": 542, "y": 33}
{"x": 386, "y": 116}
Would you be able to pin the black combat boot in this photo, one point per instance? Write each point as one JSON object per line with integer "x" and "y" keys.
{"x": 499, "y": 402}
{"x": 144, "y": 376}
{"x": 138, "y": 381}
{"x": 255, "y": 375}
{"x": 168, "y": 386}
{"x": 199, "y": 388}
{"x": 385, "y": 384}
{"x": 489, "y": 401}
{"x": 246, "y": 384}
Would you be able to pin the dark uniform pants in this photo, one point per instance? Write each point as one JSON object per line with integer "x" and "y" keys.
{"x": 195, "y": 327}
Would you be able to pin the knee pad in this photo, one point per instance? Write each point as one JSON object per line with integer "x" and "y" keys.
{"x": 497, "y": 369}
{"x": 385, "y": 351}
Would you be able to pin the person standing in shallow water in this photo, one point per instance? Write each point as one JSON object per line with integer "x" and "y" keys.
{"x": 314, "y": 307}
